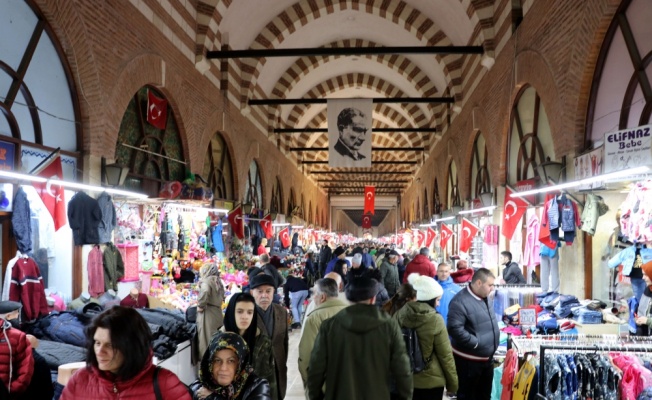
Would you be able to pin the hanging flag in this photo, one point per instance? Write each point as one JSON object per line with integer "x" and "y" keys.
{"x": 366, "y": 222}
{"x": 513, "y": 210}
{"x": 237, "y": 222}
{"x": 266, "y": 225}
{"x": 420, "y": 238}
{"x": 315, "y": 235}
{"x": 284, "y": 235}
{"x": 446, "y": 233}
{"x": 430, "y": 236}
{"x": 157, "y": 110}
{"x": 369, "y": 199}
{"x": 469, "y": 230}
{"x": 52, "y": 195}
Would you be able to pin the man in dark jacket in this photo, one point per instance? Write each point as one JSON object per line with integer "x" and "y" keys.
{"x": 324, "y": 257}
{"x": 474, "y": 334}
{"x": 421, "y": 265}
{"x": 512, "y": 273}
{"x": 357, "y": 346}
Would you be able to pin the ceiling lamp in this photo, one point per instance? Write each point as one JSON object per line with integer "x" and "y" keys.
{"x": 113, "y": 174}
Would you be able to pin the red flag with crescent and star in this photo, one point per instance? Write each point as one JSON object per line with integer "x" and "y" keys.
{"x": 430, "y": 236}
{"x": 157, "y": 110}
{"x": 469, "y": 230}
{"x": 237, "y": 222}
{"x": 266, "y": 225}
{"x": 52, "y": 195}
{"x": 513, "y": 210}
{"x": 446, "y": 233}
{"x": 420, "y": 236}
{"x": 369, "y": 199}
{"x": 366, "y": 222}
{"x": 284, "y": 235}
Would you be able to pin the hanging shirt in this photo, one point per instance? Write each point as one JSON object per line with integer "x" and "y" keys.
{"x": 95, "y": 267}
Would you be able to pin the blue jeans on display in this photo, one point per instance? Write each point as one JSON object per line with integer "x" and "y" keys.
{"x": 296, "y": 302}
{"x": 638, "y": 287}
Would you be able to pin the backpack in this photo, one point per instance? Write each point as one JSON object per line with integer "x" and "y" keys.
{"x": 417, "y": 362}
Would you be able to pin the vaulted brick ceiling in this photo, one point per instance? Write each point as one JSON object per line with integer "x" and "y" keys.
{"x": 284, "y": 24}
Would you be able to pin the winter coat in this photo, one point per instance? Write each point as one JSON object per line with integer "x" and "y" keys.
{"x": 21, "y": 222}
{"x": 84, "y": 217}
{"x": 211, "y": 297}
{"x": 27, "y": 288}
{"x": 280, "y": 345}
{"x": 356, "y": 354}
{"x": 172, "y": 323}
{"x": 65, "y": 327}
{"x": 325, "y": 255}
{"x": 108, "y": 221}
{"x": 311, "y": 325}
{"x": 462, "y": 275}
{"x": 114, "y": 267}
{"x": 419, "y": 265}
{"x": 512, "y": 274}
{"x": 389, "y": 274}
{"x": 255, "y": 389}
{"x": 434, "y": 343}
{"x": 472, "y": 326}
{"x": 627, "y": 257}
{"x": 15, "y": 358}
{"x": 271, "y": 270}
{"x": 57, "y": 353}
{"x": 92, "y": 384}
{"x": 450, "y": 290}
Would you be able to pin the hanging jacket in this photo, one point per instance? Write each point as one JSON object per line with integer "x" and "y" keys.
{"x": 420, "y": 265}
{"x": 218, "y": 242}
{"x": 594, "y": 208}
{"x": 553, "y": 212}
{"x": 21, "y": 223}
{"x": 531, "y": 253}
{"x": 95, "y": 272}
{"x": 569, "y": 218}
{"x": 16, "y": 359}
{"x": 627, "y": 257}
{"x": 27, "y": 288}
{"x": 84, "y": 216}
{"x": 544, "y": 227}
{"x": 108, "y": 222}
{"x": 114, "y": 267}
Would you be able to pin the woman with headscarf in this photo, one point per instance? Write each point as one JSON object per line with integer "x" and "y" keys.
{"x": 224, "y": 373}
{"x": 240, "y": 318}
{"x": 209, "y": 304}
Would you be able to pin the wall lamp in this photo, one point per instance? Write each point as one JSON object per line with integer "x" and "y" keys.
{"x": 113, "y": 175}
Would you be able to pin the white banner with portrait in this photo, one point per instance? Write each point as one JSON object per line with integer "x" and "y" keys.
{"x": 349, "y": 133}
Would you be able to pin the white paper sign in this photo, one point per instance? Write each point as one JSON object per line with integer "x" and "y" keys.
{"x": 628, "y": 148}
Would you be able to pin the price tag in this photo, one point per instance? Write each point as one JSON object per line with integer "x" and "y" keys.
{"x": 527, "y": 317}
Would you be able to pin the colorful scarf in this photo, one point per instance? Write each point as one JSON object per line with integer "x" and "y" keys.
{"x": 221, "y": 341}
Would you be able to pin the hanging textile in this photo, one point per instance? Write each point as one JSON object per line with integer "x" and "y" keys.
{"x": 114, "y": 268}
{"x": 218, "y": 242}
{"x": 27, "y": 288}
{"x": 108, "y": 221}
{"x": 21, "y": 222}
{"x": 531, "y": 252}
{"x": 95, "y": 272}
{"x": 7, "y": 284}
{"x": 84, "y": 217}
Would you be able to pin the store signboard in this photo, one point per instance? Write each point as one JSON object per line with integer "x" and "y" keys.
{"x": 588, "y": 165}
{"x": 527, "y": 184}
{"x": 7, "y": 154}
{"x": 527, "y": 317}
{"x": 628, "y": 148}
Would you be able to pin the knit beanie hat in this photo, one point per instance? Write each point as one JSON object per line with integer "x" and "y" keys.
{"x": 647, "y": 269}
{"x": 427, "y": 288}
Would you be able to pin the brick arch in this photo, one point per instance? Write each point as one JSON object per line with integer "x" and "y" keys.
{"x": 305, "y": 11}
{"x": 484, "y": 27}
{"x": 215, "y": 119}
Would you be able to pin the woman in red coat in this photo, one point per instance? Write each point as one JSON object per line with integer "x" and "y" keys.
{"x": 119, "y": 362}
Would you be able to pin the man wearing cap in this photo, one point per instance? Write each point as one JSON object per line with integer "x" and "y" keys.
{"x": 16, "y": 359}
{"x": 338, "y": 254}
{"x": 274, "y": 318}
{"x": 474, "y": 334}
{"x": 359, "y": 351}
{"x": 389, "y": 272}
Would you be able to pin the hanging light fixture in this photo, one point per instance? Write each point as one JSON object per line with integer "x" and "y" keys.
{"x": 551, "y": 170}
{"x": 113, "y": 175}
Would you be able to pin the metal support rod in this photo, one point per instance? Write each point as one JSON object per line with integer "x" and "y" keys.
{"x": 383, "y": 130}
{"x": 56, "y": 151}
{"x": 152, "y": 153}
{"x": 375, "y": 100}
{"x": 372, "y": 162}
{"x": 359, "y": 181}
{"x": 372, "y": 149}
{"x": 362, "y": 187}
{"x": 342, "y": 51}
{"x": 364, "y": 172}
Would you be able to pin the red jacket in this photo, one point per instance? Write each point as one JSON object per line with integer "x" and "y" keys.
{"x": 420, "y": 265}
{"x": 462, "y": 275}
{"x": 21, "y": 359}
{"x": 27, "y": 288}
{"x": 92, "y": 384}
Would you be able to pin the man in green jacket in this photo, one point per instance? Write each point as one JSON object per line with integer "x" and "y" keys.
{"x": 359, "y": 351}
{"x": 389, "y": 272}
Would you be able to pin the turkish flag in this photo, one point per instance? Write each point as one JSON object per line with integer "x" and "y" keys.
{"x": 237, "y": 222}
{"x": 430, "y": 236}
{"x": 157, "y": 110}
{"x": 420, "y": 238}
{"x": 284, "y": 235}
{"x": 315, "y": 234}
{"x": 52, "y": 195}
{"x": 446, "y": 233}
{"x": 369, "y": 199}
{"x": 266, "y": 225}
{"x": 399, "y": 239}
{"x": 469, "y": 230}
{"x": 513, "y": 210}
{"x": 366, "y": 222}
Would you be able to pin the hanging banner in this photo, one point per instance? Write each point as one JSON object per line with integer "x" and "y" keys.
{"x": 157, "y": 110}
{"x": 588, "y": 165}
{"x": 349, "y": 133}
{"x": 266, "y": 226}
{"x": 53, "y": 196}
{"x": 369, "y": 199}
{"x": 628, "y": 148}
{"x": 284, "y": 235}
{"x": 237, "y": 222}
{"x": 420, "y": 237}
{"x": 446, "y": 234}
{"x": 366, "y": 222}
{"x": 469, "y": 230}
{"x": 430, "y": 236}
{"x": 513, "y": 210}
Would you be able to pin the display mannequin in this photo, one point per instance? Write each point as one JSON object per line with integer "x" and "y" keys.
{"x": 81, "y": 301}
{"x": 109, "y": 299}
{"x": 549, "y": 269}
{"x": 135, "y": 299}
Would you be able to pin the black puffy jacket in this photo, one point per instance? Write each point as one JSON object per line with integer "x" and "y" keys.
{"x": 255, "y": 389}
{"x": 472, "y": 326}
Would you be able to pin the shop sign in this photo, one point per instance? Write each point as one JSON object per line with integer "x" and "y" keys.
{"x": 588, "y": 165}
{"x": 627, "y": 148}
{"x": 527, "y": 317}
{"x": 527, "y": 184}
{"x": 7, "y": 154}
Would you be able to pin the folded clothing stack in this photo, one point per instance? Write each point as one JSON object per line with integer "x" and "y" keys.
{"x": 584, "y": 315}
{"x": 566, "y": 303}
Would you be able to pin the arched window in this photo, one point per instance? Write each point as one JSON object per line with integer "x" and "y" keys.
{"x": 253, "y": 187}
{"x": 453, "y": 198}
{"x": 426, "y": 205}
{"x": 38, "y": 114}
{"x": 417, "y": 209}
{"x": 530, "y": 140}
{"x": 292, "y": 202}
{"x": 163, "y": 159}
{"x": 218, "y": 170}
{"x": 436, "y": 202}
{"x": 301, "y": 212}
{"x": 480, "y": 178}
{"x": 276, "y": 203}
{"x": 310, "y": 220}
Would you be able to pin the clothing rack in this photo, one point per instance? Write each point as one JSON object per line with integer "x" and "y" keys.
{"x": 524, "y": 344}
{"x": 594, "y": 348}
